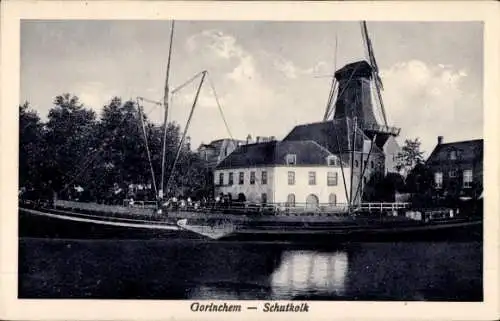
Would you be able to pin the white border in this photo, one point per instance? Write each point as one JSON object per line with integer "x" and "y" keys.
{"x": 12, "y": 11}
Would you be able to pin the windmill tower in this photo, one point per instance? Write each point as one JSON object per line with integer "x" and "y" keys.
{"x": 356, "y": 94}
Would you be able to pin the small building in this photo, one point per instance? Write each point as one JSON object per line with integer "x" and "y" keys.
{"x": 214, "y": 152}
{"x": 294, "y": 173}
{"x": 457, "y": 167}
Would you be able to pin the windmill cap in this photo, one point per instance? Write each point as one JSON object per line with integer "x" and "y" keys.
{"x": 356, "y": 69}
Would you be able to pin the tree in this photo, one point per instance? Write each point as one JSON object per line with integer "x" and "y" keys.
{"x": 70, "y": 138}
{"x": 75, "y": 148}
{"x": 410, "y": 156}
{"x": 31, "y": 147}
{"x": 420, "y": 183}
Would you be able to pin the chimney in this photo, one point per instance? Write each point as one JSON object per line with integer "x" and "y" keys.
{"x": 440, "y": 140}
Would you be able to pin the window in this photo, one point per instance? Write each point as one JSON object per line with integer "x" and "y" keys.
{"x": 221, "y": 179}
{"x": 332, "y": 160}
{"x": 230, "y": 182}
{"x": 438, "y": 179}
{"x": 252, "y": 178}
{"x": 241, "y": 179}
{"x": 453, "y": 155}
{"x": 332, "y": 199}
{"x": 372, "y": 164}
{"x": 291, "y": 159}
{"x": 263, "y": 198}
{"x": 290, "y": 200}
{"x": 452, "y": 173}
{"x": 264, "y": 177}
{"x": 312, "y": 178}
{"x": 332, "y": 178}
{"x": 356, "y": 163}
{"x": 291, "y": 178}
{"x": 467, "y": 178}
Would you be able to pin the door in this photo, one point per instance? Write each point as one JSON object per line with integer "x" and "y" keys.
{"x": 312, "y": 201}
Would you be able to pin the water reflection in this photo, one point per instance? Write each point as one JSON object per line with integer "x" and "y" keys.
{"x": 212, "y": 270}
{"x": 308, "y": 272}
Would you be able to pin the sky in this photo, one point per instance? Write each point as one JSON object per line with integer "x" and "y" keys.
{"x": 269, "y": 76}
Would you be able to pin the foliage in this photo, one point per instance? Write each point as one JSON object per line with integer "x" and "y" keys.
{"x": 410, "y": 155}
{"x": 68, "y": 138}
{"x": 75, "y": 148}
{"x": 31, "y": 147}
{"x": 420, "y": 182}
{"x": 383, "y": 188}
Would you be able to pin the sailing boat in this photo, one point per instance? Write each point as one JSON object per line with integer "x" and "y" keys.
{"x": 357, "y": 221}
{"x": 66, "y": 219}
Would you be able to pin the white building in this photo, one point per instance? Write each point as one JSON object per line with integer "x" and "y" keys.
{"x": 292, "y": 173}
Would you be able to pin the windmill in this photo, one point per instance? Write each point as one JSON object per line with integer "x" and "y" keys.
{"x": 350, "y": 101}
{"x": 351, "y": 95}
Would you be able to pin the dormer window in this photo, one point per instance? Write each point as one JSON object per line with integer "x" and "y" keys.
{"x": 453, "y": 155}
{"x": 332, "y": 160}
{"x": 291, "y": 159}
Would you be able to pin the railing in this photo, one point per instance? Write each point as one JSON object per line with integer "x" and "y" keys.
{"x": 383, "y": 206}
{"x": 287, "y": 208}
{"x": 141, "y": 207}
{"x": 139, "y": 204}
{"x": 382, "y": 128}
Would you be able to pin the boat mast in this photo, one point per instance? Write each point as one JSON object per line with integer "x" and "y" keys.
{"x": 165, "y": 118}
{"x": 353, "y": 147}
{"x": 203, "y": 75}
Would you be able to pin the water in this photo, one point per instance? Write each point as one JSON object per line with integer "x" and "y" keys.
{"x": 210, "y": 270}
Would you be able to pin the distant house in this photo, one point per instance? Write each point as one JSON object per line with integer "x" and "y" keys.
{"x": 311, "y": 165}
{"x": 214, "y": 152}
{"x": 457, "y": 167}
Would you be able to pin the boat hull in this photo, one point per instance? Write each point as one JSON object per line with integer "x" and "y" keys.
{"x": 48, "y": 224}
{"x": 451, "y": 232}
{"x": 73, "y": 225}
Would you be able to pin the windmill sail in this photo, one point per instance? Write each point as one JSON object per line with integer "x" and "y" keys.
{"x": 375, "y": 71}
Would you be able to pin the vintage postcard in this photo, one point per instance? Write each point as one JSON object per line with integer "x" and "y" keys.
{"x": 284, "y": 160}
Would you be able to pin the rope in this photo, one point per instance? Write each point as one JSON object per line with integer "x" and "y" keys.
{"x": 348, "y": 81}
{"x": 83, "y": 168}
{"x": 190, "y": 80}
{"x": 334, "y": 101}
{"x": 139, "y": 110}
{"x": 332, "y": 86}
{"x": 360, "y": 183}
{"x": 330, "y": 98}
{"x": 220, "y": 108}
{"x": 342, "y": 166}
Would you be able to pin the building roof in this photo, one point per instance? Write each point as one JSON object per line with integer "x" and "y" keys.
{"x": 274, "y": 153}
{"x": 354, "y": 70}
{"x": 327, "y": 133}
{"x": 469, "y": 150}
